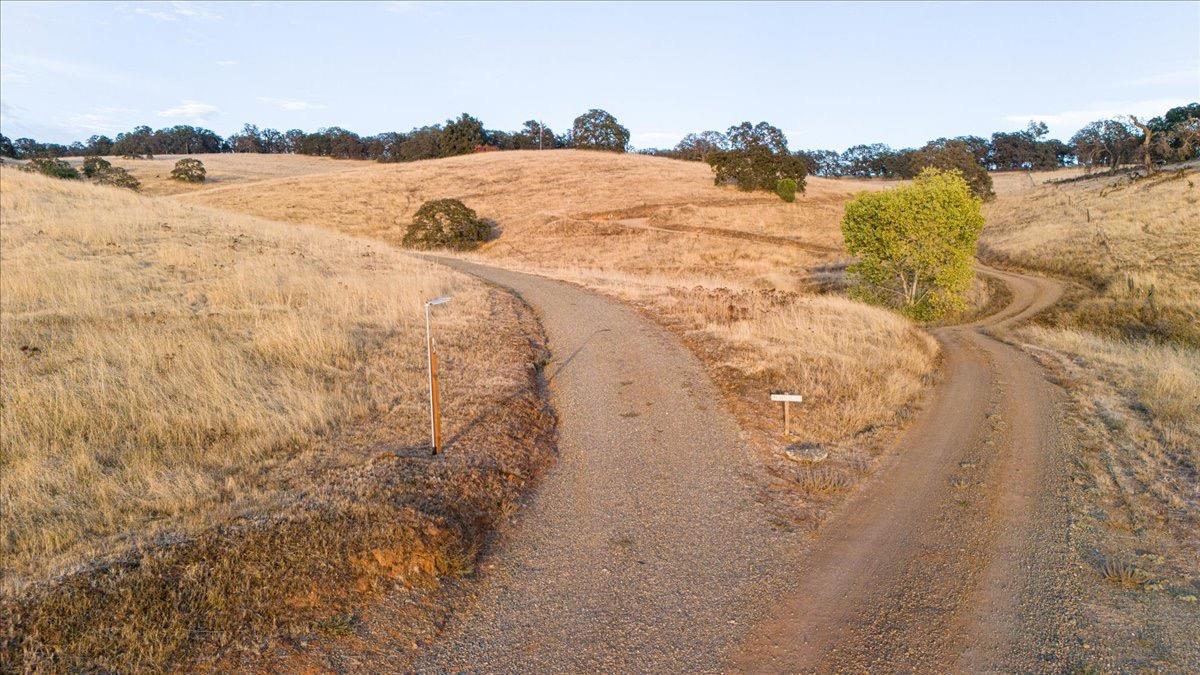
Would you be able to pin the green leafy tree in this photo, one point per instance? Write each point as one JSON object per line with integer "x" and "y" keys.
{"x": 7, "y": 149}
{"x": 757, "y": 158}
{"x": 1111, "y": 142}
{"x": 446, "y": 223}
{"x": 915, "y": 243}
{"x": 954, "y": 155}
{"x": 461, "y": 136}
{"x": 189, "y": 170}
{"x": 697, "y": 147}
{"x": 599, "y": 130}
{"x": 534, "y": 135}
{"x": 94, "y": 165}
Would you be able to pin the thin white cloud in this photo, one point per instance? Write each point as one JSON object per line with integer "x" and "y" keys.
{"x": 173, "y": 11}
{"x": 193, "y": 110}
{"x": 227, "y": 63}
{"x": 291, "y": 104}
{"x": 100, "y": 120}
{"x": 1078, "y": 118}
{"x": 154, "y": 13}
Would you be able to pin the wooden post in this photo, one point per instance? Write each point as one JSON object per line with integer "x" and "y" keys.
{"x": 786, "y": 400}
{"x": 436, "y": 397}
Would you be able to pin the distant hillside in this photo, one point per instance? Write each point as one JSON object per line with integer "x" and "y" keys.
{"x": 526, "y": 192}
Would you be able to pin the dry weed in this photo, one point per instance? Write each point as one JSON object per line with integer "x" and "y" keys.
{"x": 1124, "y": 573}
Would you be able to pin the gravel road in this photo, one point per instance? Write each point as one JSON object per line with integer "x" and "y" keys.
{"x": 644, "y": 550}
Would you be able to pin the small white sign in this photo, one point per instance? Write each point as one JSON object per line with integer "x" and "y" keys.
{"x": 788, "y": 398}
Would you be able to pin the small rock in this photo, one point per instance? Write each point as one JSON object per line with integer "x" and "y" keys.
{"x": 806, "y": 453}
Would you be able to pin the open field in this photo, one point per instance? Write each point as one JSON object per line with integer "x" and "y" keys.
{"x": 188, "y": 387}
{"x": 752, "y": 309}
{"x": 1125, "y": 345}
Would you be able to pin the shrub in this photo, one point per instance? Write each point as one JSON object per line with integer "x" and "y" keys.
{"x": 786, "y": 189}
{"x": 446, "y": 223}
{"x": 95, "y": 165}
{"x": 50, "y": 166}
{"x": 915, "y": 243}
{"x": 117, "y": 177}
{"x": 189, "y": 170}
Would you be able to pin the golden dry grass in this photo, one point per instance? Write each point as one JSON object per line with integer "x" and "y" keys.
{"x": 161, "y": 363}
{"x": 1136, "y": 242}
{"x": 648, "y": 230}
{"x": 223, "y": 170}
{"x": 1126, "y": 345}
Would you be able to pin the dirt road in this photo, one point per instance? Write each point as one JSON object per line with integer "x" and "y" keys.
{"x": 956, "y": 557}
{"x": 644, "y": 548}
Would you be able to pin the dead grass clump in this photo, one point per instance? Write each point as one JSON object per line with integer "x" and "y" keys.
{"x": 1124, "y": 573}
{"x": 856, "y": 365}
{"x": 1160, "y": 379}
{"x": 822, "y": 481}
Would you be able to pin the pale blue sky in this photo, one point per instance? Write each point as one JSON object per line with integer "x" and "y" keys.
{"x": 830, "y": 75}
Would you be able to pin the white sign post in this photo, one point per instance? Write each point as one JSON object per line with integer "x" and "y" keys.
{"x": 787, "y": 399}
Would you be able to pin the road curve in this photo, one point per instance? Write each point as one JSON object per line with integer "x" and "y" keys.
{"x": 643, "y": 549}
{"x": 956, "y": 558}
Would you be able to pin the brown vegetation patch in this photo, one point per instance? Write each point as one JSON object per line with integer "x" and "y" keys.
{"x": 740, "y": 277}
{"x": 1124, "y": 344}
{"x": 215, "y": 426}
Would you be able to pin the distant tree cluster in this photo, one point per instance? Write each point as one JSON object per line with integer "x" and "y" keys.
{"x": 1173, "y": 137}
{"x": 594, "y": 130}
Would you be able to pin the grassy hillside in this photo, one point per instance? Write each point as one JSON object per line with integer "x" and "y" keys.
{"x": 1126, "y": 344}
{"x": 187, "y": 387}
{"x": 1133, "y": 242}
{"x": 706, "y": 261}
{"x": 225, "y": 169}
